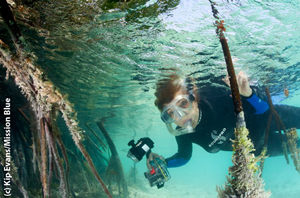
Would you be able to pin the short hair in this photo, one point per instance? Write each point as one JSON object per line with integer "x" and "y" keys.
{"x": 167, "y": 87}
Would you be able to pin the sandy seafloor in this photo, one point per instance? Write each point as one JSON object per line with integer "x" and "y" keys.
{"x": 282, "y": 179}
{"x": 204, "y": 172}
{"x": 189, "y": 182}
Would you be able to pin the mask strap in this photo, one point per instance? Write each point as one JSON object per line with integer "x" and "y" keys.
{"x": 189, "y": 87}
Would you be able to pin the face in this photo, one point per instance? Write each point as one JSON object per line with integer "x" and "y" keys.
{"x": 184, "y": 110}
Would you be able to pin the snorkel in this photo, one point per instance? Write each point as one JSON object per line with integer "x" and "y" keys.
{"x": 187, "y": 128}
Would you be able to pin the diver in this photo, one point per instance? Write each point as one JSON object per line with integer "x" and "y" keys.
{"x": 208, "y": 120}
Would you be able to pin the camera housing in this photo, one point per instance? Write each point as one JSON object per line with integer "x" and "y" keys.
{"x": 158, "y": 174}
{"x": 138, "y": 150}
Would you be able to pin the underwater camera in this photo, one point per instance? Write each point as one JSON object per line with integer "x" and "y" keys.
{"x": 159, "y": 172}
{"x": 138, "y": 150}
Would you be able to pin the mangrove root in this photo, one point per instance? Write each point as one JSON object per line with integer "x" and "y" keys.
{"x": 43, "y": 96}
{"x": 244, "y": 180}
{"x": 114, "y": 170}
{"x": 13, "y": 171}
{"x": 279, "y": 124}
{"x": 293, "y": 138}
{"x": 95, "y": 134}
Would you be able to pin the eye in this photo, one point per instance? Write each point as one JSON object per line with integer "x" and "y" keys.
{"x": 183, "y": 103}
{"x": 171, "y": 113}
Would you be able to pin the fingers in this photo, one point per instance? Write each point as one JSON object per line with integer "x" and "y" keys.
{"x": 162, "y": 158}
{"x": 153, "y": 156}
{"x": 243, "y": 83}
{"x": 226, "y": 80}
{"x": 148, "y": 165}
{"x": 150, "y": 158}
{"x": 240, "y": 79}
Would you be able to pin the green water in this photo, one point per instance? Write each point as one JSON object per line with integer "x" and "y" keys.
{"x": 110, "y": 63}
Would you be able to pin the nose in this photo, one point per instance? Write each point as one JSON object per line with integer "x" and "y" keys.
{"x": 179, "y": 114}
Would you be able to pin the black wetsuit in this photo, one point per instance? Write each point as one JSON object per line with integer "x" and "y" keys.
{"x": 218, "y": 121}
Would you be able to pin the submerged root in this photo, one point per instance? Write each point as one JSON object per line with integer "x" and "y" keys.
{"x": 43, "y": 170}
{"x": 13, "y": 171}
{"x": 262, "y": 161}
{"x": 292, "y": 139}
{"x": 244, "y": 180}
{"x": 56, "y": 135}
{"x": 43, "y": 97}
{"x": 114, "y": 171}
{"x": 29, "y": 80}
{"x": 285, "y": 151}
{"x": 51, "y": 143}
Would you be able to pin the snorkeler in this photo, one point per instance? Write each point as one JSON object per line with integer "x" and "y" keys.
{"x": 209, "y": 120}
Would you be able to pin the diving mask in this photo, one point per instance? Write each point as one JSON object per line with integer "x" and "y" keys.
{"x": 179, "y": 107}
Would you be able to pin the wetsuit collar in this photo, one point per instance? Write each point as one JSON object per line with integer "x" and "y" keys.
{"x": 200, "y": 116}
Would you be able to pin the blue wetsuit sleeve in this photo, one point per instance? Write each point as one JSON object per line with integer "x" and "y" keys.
{"x": 176, "y": 162}
{"x": 257, "y": 102}
{"x": 184, "y": 153}
{"x": 259, "y": 105}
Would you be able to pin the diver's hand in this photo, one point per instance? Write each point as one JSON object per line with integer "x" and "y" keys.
{"x": 153, "y": 156}
{"x": 243, "y": 84}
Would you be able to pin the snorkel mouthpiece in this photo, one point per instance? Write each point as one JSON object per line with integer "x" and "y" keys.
{"x": 188, "y": 126}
